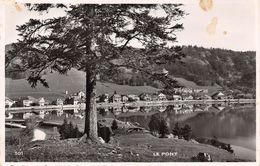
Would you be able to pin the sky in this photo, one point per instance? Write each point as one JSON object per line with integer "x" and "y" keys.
{"x": 229, "y": 24}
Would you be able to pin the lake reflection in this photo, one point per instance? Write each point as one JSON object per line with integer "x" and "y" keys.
{"x": 233, "y": 124}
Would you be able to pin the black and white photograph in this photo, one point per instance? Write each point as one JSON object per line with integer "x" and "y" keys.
{"x": 130, "y": 82}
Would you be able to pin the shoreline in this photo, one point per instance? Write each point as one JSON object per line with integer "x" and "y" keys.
{"x": 128, "y": 104}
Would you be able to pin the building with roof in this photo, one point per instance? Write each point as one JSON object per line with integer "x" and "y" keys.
{"x": 9, "y": 102}
{"x": 219, "y": 96}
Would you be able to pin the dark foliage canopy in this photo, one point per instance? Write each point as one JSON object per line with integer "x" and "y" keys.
{"x": 95, "y": 38}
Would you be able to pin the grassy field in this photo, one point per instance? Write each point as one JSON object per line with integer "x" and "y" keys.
{"x": 133, "y": 147}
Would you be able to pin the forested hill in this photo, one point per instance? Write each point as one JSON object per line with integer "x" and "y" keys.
{"x": 205, "y": 67}
{"x": 227, "y": 68}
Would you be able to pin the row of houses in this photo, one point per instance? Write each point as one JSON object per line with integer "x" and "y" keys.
{"x": 131, "y": 97}
{"x": 184, "y": 90}
{"x": 79, "y": 97}
{"x": 26, "y": 102}
{"x": 161, "y": 97}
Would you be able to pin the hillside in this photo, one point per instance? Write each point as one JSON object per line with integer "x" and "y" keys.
{"x": 231, "y": 69}
{"x": 201, "y": 69}
{"x": 74, "y": 81}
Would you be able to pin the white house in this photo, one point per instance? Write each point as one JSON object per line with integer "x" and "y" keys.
{"x": 8, "y": 102}
{"x": 133, "y": 97}
{"x": 115, "y": 98}
{"x": 176, "y": 97}
{"x": 59, "y": 102}
{"x": 27, "y": 103}
{"x": 162, "y": 96}
{"x": 41, "y": 101}
{"x": 124, "y": 98}
{"x": 81, "y": 94}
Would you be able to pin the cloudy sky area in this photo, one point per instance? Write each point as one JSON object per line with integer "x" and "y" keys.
{"x": 228, "y": 24}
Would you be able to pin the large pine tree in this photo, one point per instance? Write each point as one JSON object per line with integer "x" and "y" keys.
{"x": 94, "y": 38}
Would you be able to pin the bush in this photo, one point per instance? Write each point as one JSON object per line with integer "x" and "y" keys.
{"x": 185, "y": 132}
{"x": 114, "y": 125}
{"x": 67, "y": 130}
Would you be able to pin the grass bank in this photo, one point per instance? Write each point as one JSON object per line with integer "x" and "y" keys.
{"x": 131, "y": 147}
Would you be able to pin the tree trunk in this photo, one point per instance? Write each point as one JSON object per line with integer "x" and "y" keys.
{"x": 90, "y": 111}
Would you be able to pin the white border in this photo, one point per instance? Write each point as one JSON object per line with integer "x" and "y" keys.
{"x": 2, "y": 87}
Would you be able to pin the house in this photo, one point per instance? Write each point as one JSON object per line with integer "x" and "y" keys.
{"x": 182, "y": 90}
{"x": 200, "y": 90}
{"x": 176, "y": 97}
{"x": 79, "y": 95}
{"x": 115, "y": 98}
{"x": 27, "y": 101}
{"x": 75, "y": 102}
{"x": 59, "y": 102}
{"x": 133, "y": 97}
{"x": 41, "y": 101}
{"x": 145, "y": 97}
{"x": 219, "y": 96}
{"x": 162, "y": 96}
{"x": 187, "y": 97}
{"x": 8, "y": 102}
{"x": 124, "y": 98}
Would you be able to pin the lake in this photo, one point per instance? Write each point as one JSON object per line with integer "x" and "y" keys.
{"x": 234, "y": 124}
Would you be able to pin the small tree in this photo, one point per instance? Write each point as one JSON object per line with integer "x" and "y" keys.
{"x": 177, "y": 130}
{"x": 63, "y": 129}
{"x": 114, "y": 125}
{"x": 186, "y": 132}
{"x": 154, "y": 123}
{"x": 163, "y": 130}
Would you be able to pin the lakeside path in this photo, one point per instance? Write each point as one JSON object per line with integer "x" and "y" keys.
{"x": 127, "y": 104}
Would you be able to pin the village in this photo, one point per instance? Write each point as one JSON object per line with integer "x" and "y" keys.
{"x": 180, "y": 94}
